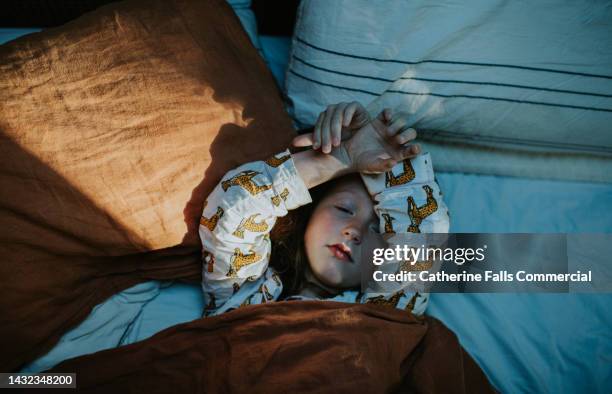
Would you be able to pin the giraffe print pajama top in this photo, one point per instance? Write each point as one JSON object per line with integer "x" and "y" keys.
{"x": 242, "y": 209}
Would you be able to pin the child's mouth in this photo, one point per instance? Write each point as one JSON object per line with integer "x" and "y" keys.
{"x": 341, "y": 252}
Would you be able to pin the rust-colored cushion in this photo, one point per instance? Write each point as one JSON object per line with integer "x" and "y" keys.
{"x": 113, "y": 129}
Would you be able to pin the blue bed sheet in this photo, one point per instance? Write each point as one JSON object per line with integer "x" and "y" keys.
{"x": 545, "y": 343}
{"x": 8, "y": 34}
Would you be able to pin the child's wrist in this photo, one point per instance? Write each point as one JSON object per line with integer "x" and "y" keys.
{"x": 341, "y": 154}
{"x": 315, "y": 167}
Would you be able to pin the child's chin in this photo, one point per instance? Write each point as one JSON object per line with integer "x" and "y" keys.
{"x": 333, "y": 278}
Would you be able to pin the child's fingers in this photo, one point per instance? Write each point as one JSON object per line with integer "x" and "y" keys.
{"x": 385, "y": 115}
{"x": 326, "y": 129}
{"x": 336, "y": 125}
{"x": 379, "y": 126}
{"x": 316, "y": 135}
{"x": 405, "y": 152}
{"x": 388, "y": 113}
{"x": 409, "y": 151}
{"x": 396, "y": 126}
{"x": 405, "y": 136}
{"x": 355, "y": 114}
{"x": 349, "y": 112}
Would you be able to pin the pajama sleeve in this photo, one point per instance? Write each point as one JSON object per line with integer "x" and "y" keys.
{"x": 237, "y": 218}
{"x": 408, "y": 201}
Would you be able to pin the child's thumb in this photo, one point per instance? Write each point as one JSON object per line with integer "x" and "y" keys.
{"x": 381, "y": 165}
{"x": 303, "y": 140}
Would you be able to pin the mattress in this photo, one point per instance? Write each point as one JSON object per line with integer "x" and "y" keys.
{"x": 560, "y": 343}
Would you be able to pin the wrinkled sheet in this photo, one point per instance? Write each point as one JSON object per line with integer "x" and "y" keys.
{"x": 556, "y": 343}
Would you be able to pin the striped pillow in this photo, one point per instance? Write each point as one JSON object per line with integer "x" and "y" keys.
{"x": 532, "y": 77}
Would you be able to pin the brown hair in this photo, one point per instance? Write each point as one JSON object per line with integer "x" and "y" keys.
{"x": 288, "y": 257}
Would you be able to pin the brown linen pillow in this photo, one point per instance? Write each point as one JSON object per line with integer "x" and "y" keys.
{"x": 129, "y": 106}
{"x": 113, "y": 129}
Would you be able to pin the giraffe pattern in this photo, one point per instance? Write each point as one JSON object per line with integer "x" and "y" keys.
{"x": 209, "y": 259}
{"x": 251, "y": 225}
{"x": 245, "y": 180}
{"x": 240, "y": 260}
{"x": 212, "y": 303}
{"x": 211, "y": 223}
{"x": 423, "y": 265}
{"x": 388, "y": 223}
{"x": 417, "y": 214}
{"x": 263, "y": 289}
{"x": 358, "y": 297}
{"x": 277, "y": 199}
{"x": 276, "y": 161}
{"x": 381, "y": 300}
{"x": 412, "y": 302}
{"x": 406, "y": 176}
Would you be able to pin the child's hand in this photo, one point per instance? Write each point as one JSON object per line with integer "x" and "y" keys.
{"x": 334, "y": 125}
{"x": 378, "y": 146}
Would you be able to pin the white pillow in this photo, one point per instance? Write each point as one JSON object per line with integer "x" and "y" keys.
{"x": 532, "y": 76}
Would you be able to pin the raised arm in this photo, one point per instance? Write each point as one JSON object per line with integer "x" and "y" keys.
{"x": 242, "y": 209}
{"x": 237, "y": 218}
{"x": 408, "y": 200}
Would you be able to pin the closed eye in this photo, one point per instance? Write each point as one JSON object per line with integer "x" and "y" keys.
{"x": 340, "y": 208}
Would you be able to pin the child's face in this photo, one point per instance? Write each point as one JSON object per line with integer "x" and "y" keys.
{"x": 344, "y": 219}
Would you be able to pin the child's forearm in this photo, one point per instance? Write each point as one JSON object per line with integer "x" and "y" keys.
{"x": 315, "y": 167}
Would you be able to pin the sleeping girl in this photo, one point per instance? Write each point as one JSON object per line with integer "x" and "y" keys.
{"x": 304, "y": 225}
{"x": 296, "y": 226}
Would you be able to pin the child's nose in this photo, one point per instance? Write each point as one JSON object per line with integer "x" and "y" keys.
{"x": 351, "y": 233}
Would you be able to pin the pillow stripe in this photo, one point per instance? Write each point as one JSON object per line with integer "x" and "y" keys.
{"x": 475, "y": 137}
{"x": 390, "y": 80}
{"x": 466, "y": 96}
{"x": 456, "y": 62}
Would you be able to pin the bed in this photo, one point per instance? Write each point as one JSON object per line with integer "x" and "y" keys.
{"x": 558, "y": 343}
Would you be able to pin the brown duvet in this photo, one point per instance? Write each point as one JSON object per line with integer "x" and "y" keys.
{"x": 289, "y": 347}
